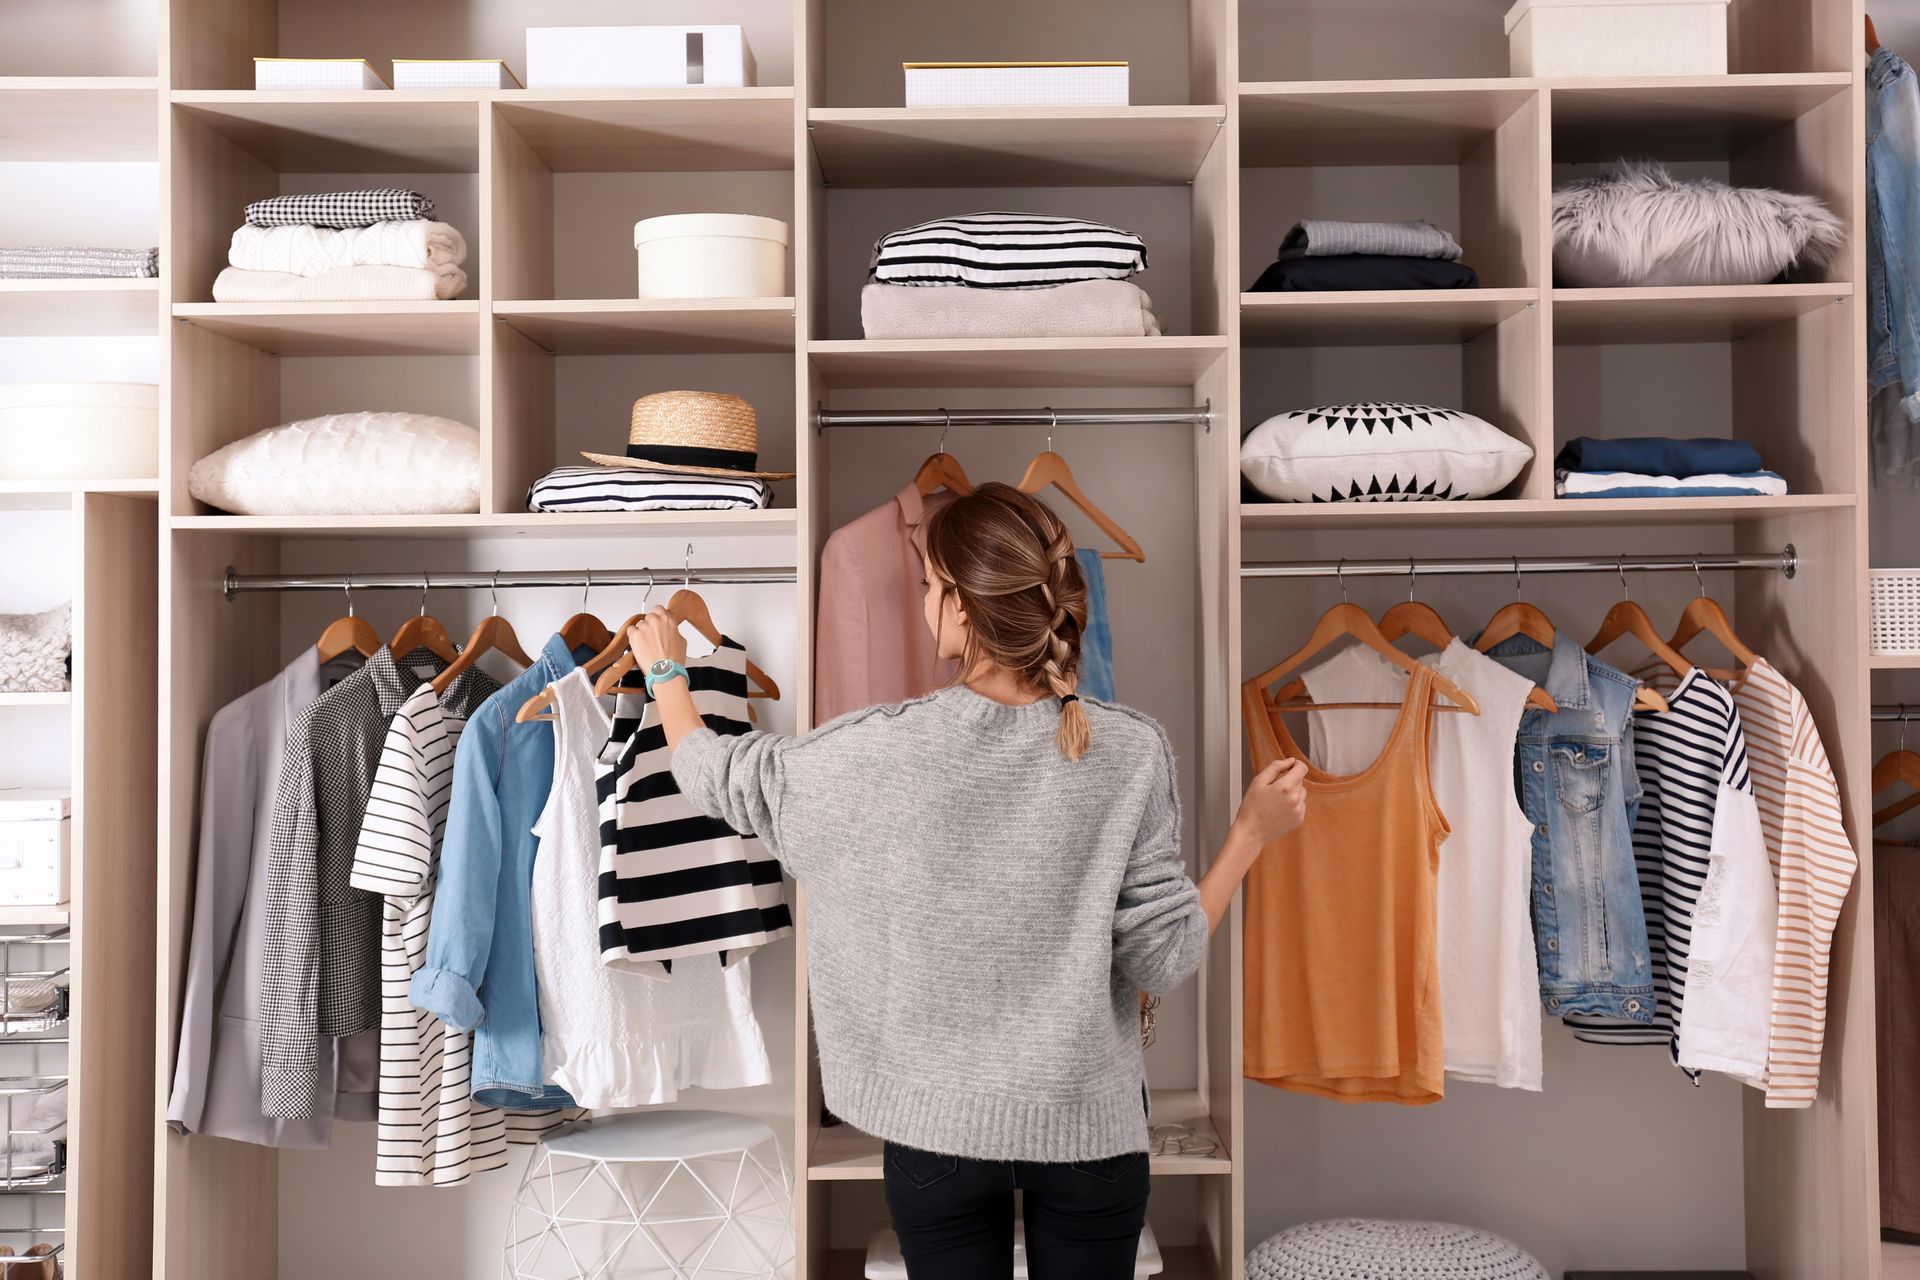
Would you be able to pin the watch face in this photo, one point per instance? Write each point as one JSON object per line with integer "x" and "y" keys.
{"x": 661, "y": 668}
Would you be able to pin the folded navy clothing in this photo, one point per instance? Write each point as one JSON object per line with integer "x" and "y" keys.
{"x": 1659, "y": 456}
{"x": 1363, "y": 271}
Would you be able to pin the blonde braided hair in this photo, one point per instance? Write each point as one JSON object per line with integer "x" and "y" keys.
{"x": 1010, "y": 560}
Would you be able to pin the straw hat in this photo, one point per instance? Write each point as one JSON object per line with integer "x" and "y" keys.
{"x": 702, "y": 433}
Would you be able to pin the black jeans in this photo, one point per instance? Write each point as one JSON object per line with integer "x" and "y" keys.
{"x": 954, "y": 1215}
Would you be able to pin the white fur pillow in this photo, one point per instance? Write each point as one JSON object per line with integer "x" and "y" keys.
{"x": 1380, "y": 453}
{"x": 33, "y": 650}
{"x": 368, "y": 464}
{"x": 1639, "y": 225}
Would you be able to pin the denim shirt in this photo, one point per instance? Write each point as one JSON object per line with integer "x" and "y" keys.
{"x": 1893, "y": 226}
{"x": 1573, "y": 770}
{"x": 479, "y": 974}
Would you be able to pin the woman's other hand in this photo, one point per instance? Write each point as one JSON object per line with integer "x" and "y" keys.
{"x": 656, "y": 636}
{"x": 1275, "y": 803}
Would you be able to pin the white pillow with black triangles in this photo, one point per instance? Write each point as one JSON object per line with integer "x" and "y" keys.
{"x": 1380, "y": 453}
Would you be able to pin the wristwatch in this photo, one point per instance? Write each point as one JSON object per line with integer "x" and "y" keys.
{"x": 664, "y": 669}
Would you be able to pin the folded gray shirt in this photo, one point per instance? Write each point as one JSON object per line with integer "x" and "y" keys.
{"x": 1323, "y": 238}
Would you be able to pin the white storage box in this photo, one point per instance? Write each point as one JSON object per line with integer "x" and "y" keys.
{"x": 1016, "y": 84}
{"x": 885, "y": 1263}
{"x": 711, "y": 255}
{"x": 452, "y": 73}
{"x": 79, "y": 431}
{"x": 1617, "y": 38}
{"x": 638, "y": 57}
{"x": 1894, "y": 606}
{"x": 315, "y": 73}
{"x": 34, "y": 847}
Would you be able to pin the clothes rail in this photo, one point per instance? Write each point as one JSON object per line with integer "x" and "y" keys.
{"x": 467, "y": 580}
{"x": 1900, "y": 711}
{"x": 1786, "y": 561}
{"x": 1200, "y": 415}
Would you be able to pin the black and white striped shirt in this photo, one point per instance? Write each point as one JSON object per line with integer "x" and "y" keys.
{"x": 1006, "y": 251}
{"x": 636, "y": 489}
{"x": 674, "y": 882}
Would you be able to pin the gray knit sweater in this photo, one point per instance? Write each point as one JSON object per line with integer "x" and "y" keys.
{"x": 980, "y": 913}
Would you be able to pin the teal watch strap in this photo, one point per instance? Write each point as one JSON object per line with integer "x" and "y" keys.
{"x": 674, "y": 671}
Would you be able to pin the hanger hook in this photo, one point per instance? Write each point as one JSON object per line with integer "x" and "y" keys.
{"x": 1413, "y": 576}
{"x": 586, "y": 591}
{"x": 1620, "y": 567}
{"x": 1903, "y": 727}
{"x": 946, "y": 425}
{"x": 649, "y": 595}
{"x": 1698, "y": 581}
{"x": 686, "y": 568}
{"x": 349, "y": 590}
{"x": 1053, "y": 420}
{"x": 1340, "y": 572}
{"x": 495, "y": 592}
{"x": 424, "y": 584}
{"x": 1516, "y": 577}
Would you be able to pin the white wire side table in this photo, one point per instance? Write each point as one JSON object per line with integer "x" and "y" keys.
{"x": 662, "y": 1195}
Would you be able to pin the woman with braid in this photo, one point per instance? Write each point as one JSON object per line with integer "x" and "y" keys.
{"x": 993, "y": 873}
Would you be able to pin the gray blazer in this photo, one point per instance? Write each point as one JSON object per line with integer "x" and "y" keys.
{"x": 216, "y": 1075}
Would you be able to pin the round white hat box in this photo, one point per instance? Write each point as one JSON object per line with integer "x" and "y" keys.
{"x": 67, "y": 431}
{"x": 711, "y": 255}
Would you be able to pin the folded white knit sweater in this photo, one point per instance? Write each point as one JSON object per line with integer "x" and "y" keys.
{"x": 346, "y": 284}
{"x": 1083, "y": 309}
{"x": 308, "y": 251}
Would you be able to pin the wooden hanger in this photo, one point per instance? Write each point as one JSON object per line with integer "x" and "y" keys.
{"x": 1349, "y": 619}
{"x": 1627, "y": 618}
{"x": 688, "y": 608}
{"x": 494, "y": 633}
{"x": 422, "y": 631}
{"x": 1705, "y": 614}
{"x": 1893, "y": 769}
{"x": 942, "y": 470}
{"x": 583, "y": 631}
{"x": 349, "y": 633}
{"x": 1050, "y": 469}
{"x": 1412, "y": 617}
{"x": 1521, "y": 618}
{"x": 1873, "y": 37}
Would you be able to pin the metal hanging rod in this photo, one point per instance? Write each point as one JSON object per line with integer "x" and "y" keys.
{"x": 1200, "y": 415}
{"x": 1785, "y": 561}
{"x": 468, "y": 580}
{"x": 1900, "y": 711}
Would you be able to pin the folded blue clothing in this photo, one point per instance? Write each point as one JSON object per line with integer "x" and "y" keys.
{"x": 1659, "y": 456}
{"x": 1626, "y": 484}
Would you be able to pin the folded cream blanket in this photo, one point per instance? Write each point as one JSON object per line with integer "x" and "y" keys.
{"x": 345, "y": 284}
{"x": 1084, "y": 309}
{"x": 308, "y": 251}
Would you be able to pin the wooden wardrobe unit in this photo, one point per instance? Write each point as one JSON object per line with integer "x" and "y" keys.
{"x": 1255, "y": 114}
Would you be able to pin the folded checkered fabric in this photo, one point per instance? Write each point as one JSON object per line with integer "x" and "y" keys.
{"x": 55, "y": 262}
{"x": 339, "y": 209}
{"x": 634, "y": 489}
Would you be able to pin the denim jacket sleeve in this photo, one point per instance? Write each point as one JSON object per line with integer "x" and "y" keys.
{"x": 461, "y": 935}
{"x": 1893, "y": 212}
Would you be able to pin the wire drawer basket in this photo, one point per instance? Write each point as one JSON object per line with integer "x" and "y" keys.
{"x": 1895, "y": 599}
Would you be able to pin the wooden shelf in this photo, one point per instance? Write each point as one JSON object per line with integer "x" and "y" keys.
{"x": 51, "y": 917}
{"x": 69, "y": 118}
{"x": 1714, "y": 313}
{"x": 772, "y": 523}
{"x": 619, "y": 326}
{"x": 79, "y": 308}
{"x": 1377, "y": 318}
{"x": 1009, "y": 146}
{"x": 36, "y": 700}
{"x": 1017, "y": 362}
{"x": 654, "y": 130}
{"x": 417, "y": 131}
{"x": 1353, "y": 122}
{"x": 1893, "y": 662}
{"x": 1684, "y": 118}
{"x": 843, "y": 1153}
{"x": 343, "y": 328}
{"x": 64, "y": 490}
{"x": 1534, "y": 512}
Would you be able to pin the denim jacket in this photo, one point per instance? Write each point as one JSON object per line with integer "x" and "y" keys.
{"x": 1573, "y": 770}
{"x": 1893, "y": 226}
{"x": 479, "y": 974}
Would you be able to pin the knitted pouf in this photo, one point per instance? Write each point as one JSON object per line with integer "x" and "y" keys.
{"x": 1377, "y": 1249}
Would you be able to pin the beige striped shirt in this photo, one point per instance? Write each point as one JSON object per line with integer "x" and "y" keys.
{"x": 1813, "y": 861}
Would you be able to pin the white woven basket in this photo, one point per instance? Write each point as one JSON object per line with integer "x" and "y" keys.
{"x": 1895, "y": 597}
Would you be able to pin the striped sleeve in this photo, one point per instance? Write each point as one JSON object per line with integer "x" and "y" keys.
{"x": 395, "y": 853}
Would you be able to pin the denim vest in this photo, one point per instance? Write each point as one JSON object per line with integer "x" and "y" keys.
{"x": 1893, "y": 225}
{"x": 1573, "y": 771}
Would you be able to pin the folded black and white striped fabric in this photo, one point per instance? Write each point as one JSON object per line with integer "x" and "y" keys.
{"x": 59, "y": 262}
{"x": 634, "y": 489}
{"x": 1006, "y": 251}
{"x": 339, "y": 209}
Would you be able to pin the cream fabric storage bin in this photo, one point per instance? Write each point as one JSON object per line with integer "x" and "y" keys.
{"x": 638, "y": 57}
{"x": 452, "y": 73}
{"x": 1617, "y": 38}
{"x": 35, "y": 840}
{"x": 311, "y": 74}
{"x": 711, "y": 255}
{"x": 79, "y": 431}
{"x": 1016, "y": 84}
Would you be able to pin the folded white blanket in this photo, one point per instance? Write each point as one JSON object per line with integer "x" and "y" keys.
{"x": 1628, "y": 484}
{"x": 1084, "y": 309}
{"x": 308, "y": 251}
{"x": 347, "y": 284}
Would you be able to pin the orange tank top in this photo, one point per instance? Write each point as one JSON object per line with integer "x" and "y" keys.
{"x": 1342, "y": 985}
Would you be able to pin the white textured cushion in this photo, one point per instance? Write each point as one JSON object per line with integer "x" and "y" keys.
{"x": 1378, "y": 1249}
{"x": 372, "y": 464}
{"x": 1380, "y": 453}
{"x": 33, "y": 650}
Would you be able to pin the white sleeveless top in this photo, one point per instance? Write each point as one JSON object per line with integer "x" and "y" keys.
{"x": 610, "y": 1037}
